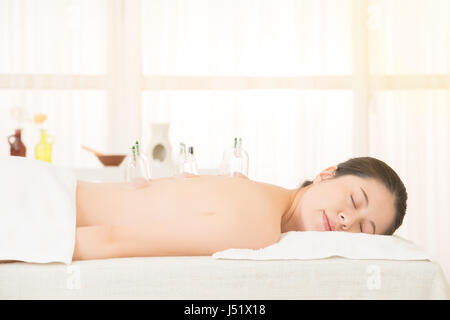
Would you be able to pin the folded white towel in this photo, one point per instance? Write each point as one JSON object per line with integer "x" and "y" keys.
{"x": 318, "y": 245}
{"x": 37, "y": 211}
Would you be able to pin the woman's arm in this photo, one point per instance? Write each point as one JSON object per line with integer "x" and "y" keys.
{"x": 143, "y": 240}
{"x": 93, "y": 242}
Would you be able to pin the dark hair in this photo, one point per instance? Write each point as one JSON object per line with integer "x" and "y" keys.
{"x": 368, "y": 167}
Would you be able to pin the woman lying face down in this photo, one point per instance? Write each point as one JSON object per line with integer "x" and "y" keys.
{"x": 201, "y": 214}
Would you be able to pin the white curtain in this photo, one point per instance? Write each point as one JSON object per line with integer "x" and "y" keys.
{"x": 305, "y": 83}
{"x": 276, "y": 73}
{"x": 409, "y": 47}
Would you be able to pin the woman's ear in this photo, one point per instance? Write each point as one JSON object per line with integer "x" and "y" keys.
{"x": 325, "y": 174}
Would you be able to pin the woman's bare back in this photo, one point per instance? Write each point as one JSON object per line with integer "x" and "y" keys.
{"x": 196, "y": 215}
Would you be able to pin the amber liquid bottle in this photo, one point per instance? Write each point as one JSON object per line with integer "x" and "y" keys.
{"x": 17, "y": 148}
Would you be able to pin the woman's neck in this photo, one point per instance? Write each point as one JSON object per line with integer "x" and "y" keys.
{"x": 291, "y": 219}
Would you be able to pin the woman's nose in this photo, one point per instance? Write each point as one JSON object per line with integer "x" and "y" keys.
{"x": 344, "y": 220}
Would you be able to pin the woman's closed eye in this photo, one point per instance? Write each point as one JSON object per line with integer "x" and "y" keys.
{"x": 354, "y": 205}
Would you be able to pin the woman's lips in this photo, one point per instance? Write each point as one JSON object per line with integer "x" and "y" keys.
{"x": 326, "y": 223}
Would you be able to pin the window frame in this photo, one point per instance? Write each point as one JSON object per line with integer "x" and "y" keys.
{"x": 125, "y": 82}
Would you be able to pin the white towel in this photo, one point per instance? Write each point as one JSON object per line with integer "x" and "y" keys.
{"x": 318, "y": 245}
{"x": 37, "y": 211}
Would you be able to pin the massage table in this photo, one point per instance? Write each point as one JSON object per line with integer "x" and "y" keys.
{"x": 206, "y": 277}
{"x": 203, "y": 277}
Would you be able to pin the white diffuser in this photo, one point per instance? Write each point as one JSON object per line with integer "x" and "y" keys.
{"x": 159, "y": 149}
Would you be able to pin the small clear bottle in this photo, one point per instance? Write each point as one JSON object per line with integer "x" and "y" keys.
{"x": 181, "y": 160}
{"x": 192, "y": 166}
{"x": 186, "y": 162}
{"x": 144, "y": 158}
{"x": 235, "y": 160}
{"x": 136, "y": 170}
